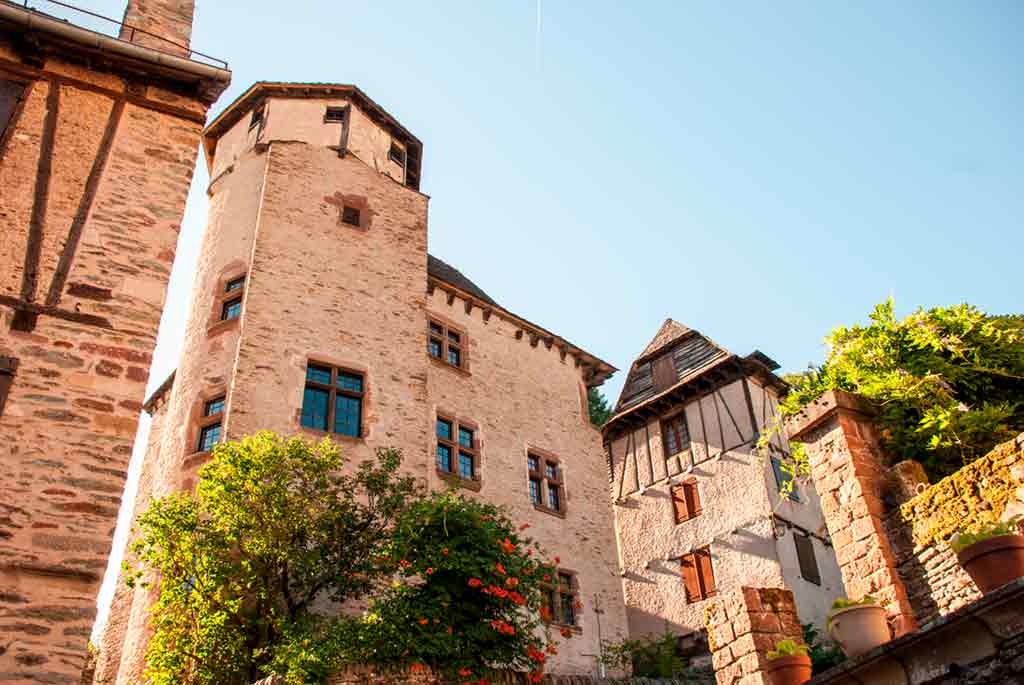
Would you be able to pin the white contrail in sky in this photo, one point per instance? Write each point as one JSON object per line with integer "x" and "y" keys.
{"x": 536, "y": 47}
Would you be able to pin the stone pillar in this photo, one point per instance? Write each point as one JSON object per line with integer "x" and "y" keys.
{"x": 743, "y": 626}
{"x": 846, "y": 465}
{"x": 164, "y": 25}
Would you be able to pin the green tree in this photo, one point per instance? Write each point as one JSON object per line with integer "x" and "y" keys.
{"x": 276, "y": 531}
{"x": 948, "y": 382}
{"x": 600, "y": 410}
{"x": 469, "y": 597}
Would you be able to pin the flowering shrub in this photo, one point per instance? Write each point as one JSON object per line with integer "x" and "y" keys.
{"x": 467, "y": 598}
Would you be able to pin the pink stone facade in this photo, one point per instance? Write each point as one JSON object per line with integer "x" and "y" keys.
{"x": 95, "y": 165}
{"x": 359, "y": 297}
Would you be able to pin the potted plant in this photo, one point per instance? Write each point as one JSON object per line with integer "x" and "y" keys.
{"x": 858, "y": 625}
{"x": 789, "y": 663}
{"x": 992, "y": 555}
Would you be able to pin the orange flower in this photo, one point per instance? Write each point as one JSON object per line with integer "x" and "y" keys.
{"x": 547, "y": 577}
{"x": 507, "y": 546}
{"x": 430, "y": 571}
{"x": 524, "y": 526}
{"x": 545, "y": 614}
{"x": 444, "y": 551}
{"x": 511, "y": 582}
{"x": 557, "y": 560}
{"x": 552, "y": 649}
{"x": 534, "y": 676}
{"x": 517, "y": 598}
{"x": 450, "y": 630}
{"x": 499, "y": 569}
{"x": 465, "y": 672}
{"x": 403, "y": 563}
{"x": 416, "y": 668}
{"x": 424, "y": 621}
{"x": 566, "y": 632}
{"x": 475, "y": 582}
{"x": 578, "y": 604}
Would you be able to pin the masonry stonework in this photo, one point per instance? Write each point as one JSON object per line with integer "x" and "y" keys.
{"x": 359, "y": 297}
{"x": 96, "y": 158}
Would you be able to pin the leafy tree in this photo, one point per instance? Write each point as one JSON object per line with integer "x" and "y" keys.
{"x": 469, "y": 596}
{"x": 652, "y": 656}
{"x": 249, "y": 566}
{"x": 600, "y": 410}
{"x": 948, "y": 382}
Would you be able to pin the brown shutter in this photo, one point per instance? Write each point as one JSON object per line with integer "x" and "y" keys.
{"x": 707, "y": 574}
{"x": 680, "y": 504}
{"x": 805, "y": 555}
{"x": 692, "y": 497}
{"x": 8, "y": 366}
{"x": 690, "y": 580}
{"x": 664, "y": 371}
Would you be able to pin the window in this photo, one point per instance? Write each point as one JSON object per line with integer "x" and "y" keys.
{"x": 457, "y": 449}
{"x": 8, "y": 367}
{"x": 686, "y": 500}
{"x": 561, "y": 599}
{"x": 446, "y": 344}
{"x": 350, "y": 216}
{"x": 257, "y": 117}
{"x": 396, "y": 154}
{"x": 335, "y": 115}
{"x": 698, "y": 576}
{"x": 208, "y": 437}
{"x": 210, "y": 424}
{"x": 231, "y": 309}
{"x": 675, "y": 436}
{"x": 805, "y": 555}
{"x": 234, "y": 284}
{"x": 213, "y": 407}
{"x": 10, "y": 95}
{"x": 545, "y": 482}
{"x": 333, "y": 400}
{"x": 783, "y": 477}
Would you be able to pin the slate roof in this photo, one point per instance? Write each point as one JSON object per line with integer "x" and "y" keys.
{"x": 446, "y": 272}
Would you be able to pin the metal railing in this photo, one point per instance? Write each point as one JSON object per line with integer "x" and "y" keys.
{"x": 114, "y": 28}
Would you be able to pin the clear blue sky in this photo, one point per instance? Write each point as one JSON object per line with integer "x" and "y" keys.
{"x": 759, "y": 171}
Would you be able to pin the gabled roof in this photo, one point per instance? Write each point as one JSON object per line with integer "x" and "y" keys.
{"x": 446, "y": 272}
{"x": 670, "y": 331}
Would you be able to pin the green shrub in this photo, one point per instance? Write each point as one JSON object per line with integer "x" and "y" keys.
{"x": 967, "y": 538}
{"x": 788, "y": 648}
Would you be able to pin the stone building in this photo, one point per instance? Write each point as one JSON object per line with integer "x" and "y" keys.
{"x": 316, "y": 311}
{"x": 98, "y": 141}
{"x": 697, "y": 510}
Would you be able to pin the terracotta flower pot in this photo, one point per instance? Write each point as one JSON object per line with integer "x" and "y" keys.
{"x": 789, "y": 670}
{"x": 858, "y": 629}
{"x": 994, "y": 562}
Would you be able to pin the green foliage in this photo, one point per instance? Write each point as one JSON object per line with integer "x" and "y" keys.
{"x": 947, "y": 381}
{"x": 824, "y": 653}
{"x": 468, "y": 598}
{"x": 651, "y": 656}
{"x": 990, "y": 530}
{"x": 840, "y": 603}
{"x": 600, "y": 410}
{"x": 276, "y": 529}
{"x": 788, "y": 648}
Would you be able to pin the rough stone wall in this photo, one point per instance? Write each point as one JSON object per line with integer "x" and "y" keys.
{"x": 738, "y": 496}
{"x": 99, "y": 284}
{"x": 170, "y": 20}
{"x": 526, "y": 397}
{"x": 984, "y": 491}
{"x": 846, "y": 466}
{"x": 743, "y": 626}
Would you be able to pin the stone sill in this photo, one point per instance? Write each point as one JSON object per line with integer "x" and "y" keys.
{"x": 474, "y": 484}
{"x": 451, "y": 367}
{"x": 959, "y": 639}
{"x": 560, "y": 513}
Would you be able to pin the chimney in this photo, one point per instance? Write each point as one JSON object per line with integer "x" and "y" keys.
{"x": 164, "y": 25}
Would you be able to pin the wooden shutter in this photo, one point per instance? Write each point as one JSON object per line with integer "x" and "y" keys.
{"x": 692, "y": 497}
{"x": 8, "y": 366}
{"x": 664, "y": 372}
{"x": 707, "y": 574}
{"x": 679, "y": 503}
{"x": 690, "y": 579}
{"x": 805, "y": 555}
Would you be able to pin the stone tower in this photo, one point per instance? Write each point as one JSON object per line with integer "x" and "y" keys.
{"x": 317, "y": 311}
{"x": 98, "y": 140}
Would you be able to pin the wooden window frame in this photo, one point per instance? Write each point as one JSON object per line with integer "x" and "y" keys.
{"x": 544, "y": 461}
{"x": 703, "y": 574}
{"x": 443, "y": 338}
{"x": 8, "y": 370}
{"x": 335, "y": 114}
{"x": 206, "y": 420}
{"x": 226, "y": 293}
{"x": 668, "y": 426}
{"x": 455, "y": 448}
{"x": 333, "y": 390}
{"x": 561, "y": 594}
{"x": 807, "y": 560}
{"x": 687, "y": 493}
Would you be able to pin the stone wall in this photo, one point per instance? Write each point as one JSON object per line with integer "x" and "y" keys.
{"x": 95, "y": 166}
{"x": 984, "y": 491}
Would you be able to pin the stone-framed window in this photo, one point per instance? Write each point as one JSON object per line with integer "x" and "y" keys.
{"x": 561, "y": 599}
{"x": 332, "y": 400}
{"x": 350, "y": 216}
{"x": 675, "y": 435}
{"x": 545, "y": 482}
{"x": 447, "y": 343}
{"x": 228, "y": 296}
{"x": 685, "y": 500}
{"x": 698, "y": 574}
{"x": 782, "y": 477}
{"x": 457, "y": 454}
{"x": 805, "y": 556}
{"x": 210, "y": 424}
{"x": 8, "y": 368}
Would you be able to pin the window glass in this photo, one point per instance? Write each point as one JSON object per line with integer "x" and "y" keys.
{"x": 214, "y": 407}
{"x": 453, "y": 336}
{"x": 533, "y": 463}
{"x": 444, "y": 457}
{"x": 318, "y": 374}
{"x": 465, "y": 437}
{"x": 535, "y": 491}
{"x": 231, "y": 309}
{"x": 209, "y": 436}
{"x": 465, "y": 465}
{"x": 444, "y": 429}
{"x": 234, "y": 284}
{"x": 347, "y": 411}
{"x": 554, "y": 497}
{"x": 551, "y": 471}
{"x": 314, "y": 408}
{"x": 454, "y": 356}
{"x": 434, "y": 346}
{"x": 350, "y": 381}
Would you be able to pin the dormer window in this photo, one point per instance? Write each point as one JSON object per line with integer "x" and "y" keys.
{"x": 396, "y": 154}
